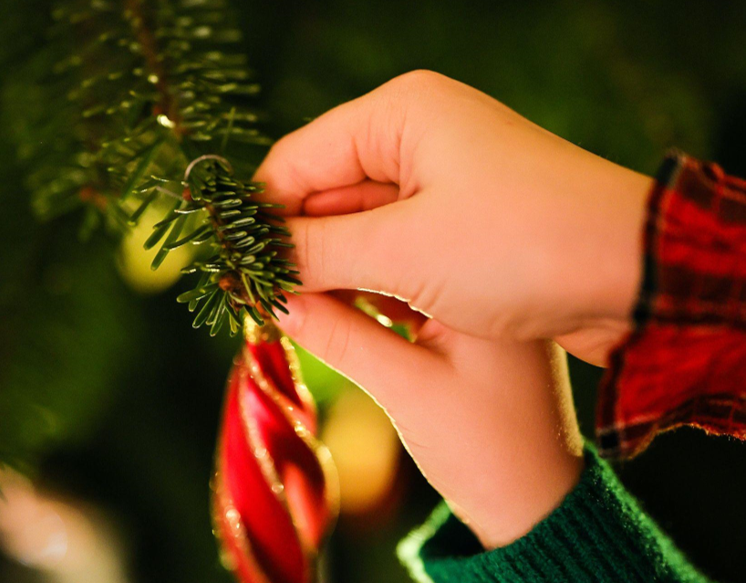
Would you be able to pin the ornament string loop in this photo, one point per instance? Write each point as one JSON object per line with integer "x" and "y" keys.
{"x": 199, "y": 159}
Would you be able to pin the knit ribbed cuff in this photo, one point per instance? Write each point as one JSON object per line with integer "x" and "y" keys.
{"x": 598, "y": 534}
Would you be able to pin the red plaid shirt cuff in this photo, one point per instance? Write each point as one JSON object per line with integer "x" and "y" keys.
{"x": 684, "y": 363}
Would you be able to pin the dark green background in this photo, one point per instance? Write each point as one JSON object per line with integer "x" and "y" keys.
{"x": 113, "y": 397}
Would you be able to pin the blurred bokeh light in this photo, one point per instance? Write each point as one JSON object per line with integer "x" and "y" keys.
{"x": 109, "y": 396}
{"x": 64, "y": 540}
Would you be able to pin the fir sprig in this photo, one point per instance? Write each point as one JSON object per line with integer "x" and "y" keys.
{"x": 148, "y": 88}
{"x": 246, "y": 274}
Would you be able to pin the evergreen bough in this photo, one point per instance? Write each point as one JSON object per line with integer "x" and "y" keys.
{"x": 142, "y": 101}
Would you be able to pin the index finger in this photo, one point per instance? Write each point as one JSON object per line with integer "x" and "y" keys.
{"x": 353, "y": 142}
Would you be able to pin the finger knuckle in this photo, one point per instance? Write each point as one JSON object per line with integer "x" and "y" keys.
{"x": 411, "y": 86}
{"x": 311, "y": 252}
{"x": 419, "y": 78}
{"x": 394, "y": 262}
{"x": 317, "y": 247}
{"x": 299, "y": 237}
{"x": 338, "y": 343}
{"x": 377, "y": 255}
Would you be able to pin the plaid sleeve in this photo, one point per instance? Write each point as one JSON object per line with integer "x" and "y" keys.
{"x": 684, "y": 363}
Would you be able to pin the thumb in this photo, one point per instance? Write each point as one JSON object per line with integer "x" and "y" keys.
{"x": 386, "y": 365}
{"x": 360, "y": 250}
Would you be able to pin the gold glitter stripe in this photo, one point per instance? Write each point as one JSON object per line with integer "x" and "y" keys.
{"x": 267, "y": 467}
{"x": 316, "y": 448}
{"x": 227, "y": 519}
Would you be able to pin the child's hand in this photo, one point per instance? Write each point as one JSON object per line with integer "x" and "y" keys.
{"x": 490, "y": 423}
{"x": 478, "y": 217}
{"x": 497, "y": 229}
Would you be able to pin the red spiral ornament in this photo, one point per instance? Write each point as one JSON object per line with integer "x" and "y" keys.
{"x": 275, "y": 491}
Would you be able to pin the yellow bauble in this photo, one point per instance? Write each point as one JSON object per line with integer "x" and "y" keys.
{"x": 134, "y": 261}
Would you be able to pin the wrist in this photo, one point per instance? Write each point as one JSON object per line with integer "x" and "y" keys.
{"x": 497, "y": 527}
{"x": 623, "y": 272}
{"x": 610, "y": 243}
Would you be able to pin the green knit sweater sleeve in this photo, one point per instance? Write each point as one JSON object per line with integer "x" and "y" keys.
{"x": 598, "y": 534}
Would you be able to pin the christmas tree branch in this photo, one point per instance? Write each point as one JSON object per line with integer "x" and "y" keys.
{"x": 154, "y": 92}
